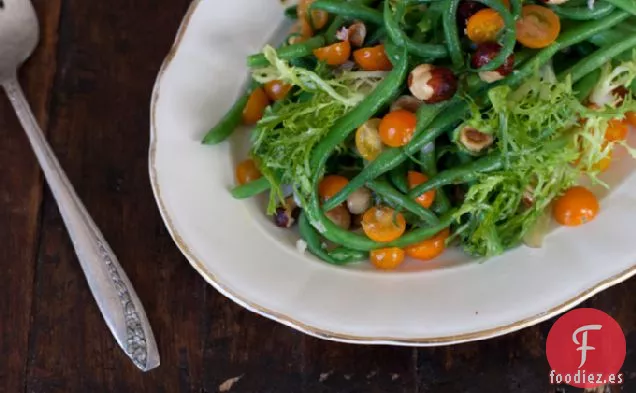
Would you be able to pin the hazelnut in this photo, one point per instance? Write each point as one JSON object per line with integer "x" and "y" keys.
{"x": 432, "y": 84}
{"x": 359, "y": 201}
{"x": 340, "y": 216}
{"x": 407, "y": 103}
{"x": 287, "y": 215}
{"x": 357, "y": 33}
{"x": 474, "y": 140}
{"x": 484, "y": 54}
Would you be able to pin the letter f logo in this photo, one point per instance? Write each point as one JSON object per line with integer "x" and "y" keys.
{"x": 583, "y": 343}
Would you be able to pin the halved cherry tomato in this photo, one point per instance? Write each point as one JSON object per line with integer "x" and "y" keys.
{"x": 331, "y": 185}
{"x": 538, "y": 26}
{"x": 277, "y": 90}
{"x": 255, "y": 106}
{"x": 429, "y": 248}
{"x": 246, "y": 171}
{"x": 373, "y": 59}
{"x": 415, "y": 179}
{"x": 576, "y": 207}
{"x": 368, "y": 140}
{"x": 387, "y": 258}
{"x": 604, "y": 163}
{"x": 397, "y": 128}
{"x": 616, "y": 130}
{"x": 383, "y": 224}
{"x": 484, "y": 26}
{"x": 318, "y": 19}
{"x": 631, "y": 118}
{"x": 334, "y": 54}
{"x": 301, "y": 31}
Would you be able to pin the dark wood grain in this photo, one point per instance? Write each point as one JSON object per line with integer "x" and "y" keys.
{"x": 89, "y": 83}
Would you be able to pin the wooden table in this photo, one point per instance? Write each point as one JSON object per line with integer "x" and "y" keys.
{"x": 90, "y": 83}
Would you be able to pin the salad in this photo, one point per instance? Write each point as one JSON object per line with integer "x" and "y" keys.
{"x": 394, "y": 128}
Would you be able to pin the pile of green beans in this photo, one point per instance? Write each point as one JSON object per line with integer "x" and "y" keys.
{"x": 608, "y": 27}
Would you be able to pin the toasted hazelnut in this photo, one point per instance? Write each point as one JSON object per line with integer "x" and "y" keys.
{"x": 407, "y": 103}
{"x": 340, "y": 216}
{"x": 474, "y": 140}
{"x": 286, "y": 215}
{"x": 432, "y": 84}
{"x": 484, "y": 54}
{"x": 357, "y": 33}
{"x": 359, "y": 201}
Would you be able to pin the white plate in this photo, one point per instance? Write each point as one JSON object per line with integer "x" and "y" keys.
{"x": 236, "y": 248}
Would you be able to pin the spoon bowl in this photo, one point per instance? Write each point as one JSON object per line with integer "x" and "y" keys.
{"x": 19, "y": 32}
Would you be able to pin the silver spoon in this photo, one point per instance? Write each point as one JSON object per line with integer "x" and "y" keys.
{"x": 112, "y": 290}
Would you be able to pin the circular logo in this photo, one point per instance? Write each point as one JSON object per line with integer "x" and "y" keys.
{"x": 586, "y": 348}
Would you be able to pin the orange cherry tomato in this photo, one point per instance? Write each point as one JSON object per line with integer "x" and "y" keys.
{"x": 397, "y": 128}
{"x": 415, "y": 179}
{"x": 484, "y": 26}
{"x": 331, "y": 185}
{"x": 301, "y": 31}
{"x": 334, "y": 54}
{"x": 246, "y": 172}
{"x": 255, "y": 106}
{"x": 631, "y": 118}
{"x": 373, "y": 59}
{"x": 576, "y": 207}
{"x": 387, "y": 258}
{"x": 616, "y": 130}
{"x": 429, "y": 248}
{"x": 277, "y": 90}
{"x": 383, "y": 224}
{"x": 603, "y": 164}
{"x": 538, "y": 26}
{"x": 318, "y": 19}
{"x": 368, "y": 140}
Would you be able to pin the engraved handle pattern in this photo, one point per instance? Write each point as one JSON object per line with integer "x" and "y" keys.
{"x": 111, "y": 288}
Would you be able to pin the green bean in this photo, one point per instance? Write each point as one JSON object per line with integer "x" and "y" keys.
{"x": 351, "y": 10}
{"x": 583, "y": 12}
{"x": 428, "y": 159}
{"x": 509, "y": 32}
{"x": 344, "y": 256}
{"x": 288, "y": 52}
{"x": 390, "y": 158}
{"x": 400, "y": 38}
{"x": 398, "y": 178}
{"x": 376, "y": 37}
{"x": 451, "y": 33}
{"x": 312, "y": 238}
{"x": 385, "y": 190}
{"x": 626, "y": 5}
{"x": 292, "y": 12}
{"x": 333, "y": 28}
{"x": 459, "y": 175}
{"x": 228, "y": 123}
{"x": 598, "y": 58}
{"x": 585, "y": 86}
{"x": 251, "y": 189}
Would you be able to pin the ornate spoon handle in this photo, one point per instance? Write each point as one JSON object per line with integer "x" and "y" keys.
{"x": 115, "y": 296}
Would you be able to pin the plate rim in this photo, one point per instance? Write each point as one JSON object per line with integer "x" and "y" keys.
{"x": 312, "y": 330}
